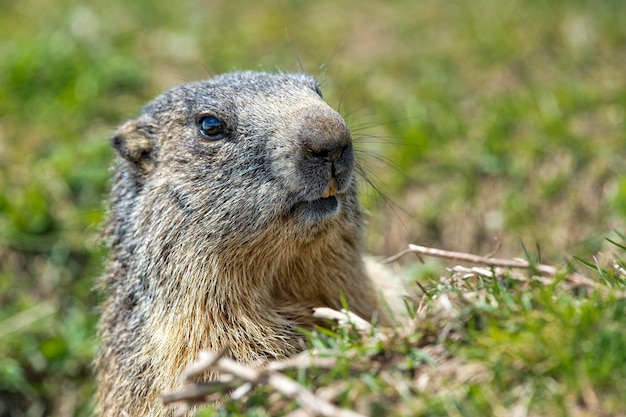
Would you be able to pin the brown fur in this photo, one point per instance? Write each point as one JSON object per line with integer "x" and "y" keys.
{"x": 224, "y": 241}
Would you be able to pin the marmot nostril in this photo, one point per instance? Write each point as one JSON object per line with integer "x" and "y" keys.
{"x": 330, "y": 154}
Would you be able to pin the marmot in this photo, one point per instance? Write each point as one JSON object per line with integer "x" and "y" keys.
{"x": 233, "y": 213}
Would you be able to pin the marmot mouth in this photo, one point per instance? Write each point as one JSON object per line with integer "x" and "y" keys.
{"x": 316, "y": 210}
{"x": 331, "y": 190}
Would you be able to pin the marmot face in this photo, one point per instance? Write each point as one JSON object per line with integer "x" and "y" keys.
{"x": 248, "y": 151}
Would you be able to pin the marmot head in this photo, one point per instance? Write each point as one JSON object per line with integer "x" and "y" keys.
{"x": 242, "y": 154}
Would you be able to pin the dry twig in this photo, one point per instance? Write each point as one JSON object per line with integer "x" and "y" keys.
{"x": 344, "y": 318}
{"x": 492, "y": 267}
{"x": 233, "y": 373}
{"x": 306, "y": 359}
{"x": 475, "y": 259}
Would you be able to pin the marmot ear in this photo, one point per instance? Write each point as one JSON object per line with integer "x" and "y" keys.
{"x": 133, "y": 142}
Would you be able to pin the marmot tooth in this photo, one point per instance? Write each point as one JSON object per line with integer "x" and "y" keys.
{"x": 331, "y": 190}
{"x": 332, "y": 187}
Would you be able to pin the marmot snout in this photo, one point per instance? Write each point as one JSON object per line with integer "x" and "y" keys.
{"x": 325, "y": 163}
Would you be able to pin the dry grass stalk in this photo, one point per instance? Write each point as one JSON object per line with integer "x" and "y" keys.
{"x": 233, "y": 374}
{"x": 344, "y": 318}
{"x": 495, "y": 267}
{"x": 475, "y": 259}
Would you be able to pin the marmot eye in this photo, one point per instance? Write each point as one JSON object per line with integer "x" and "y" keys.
{"x": 211, "y": 127}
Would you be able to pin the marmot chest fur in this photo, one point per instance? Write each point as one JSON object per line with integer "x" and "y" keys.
{"x": 233, "y": 213}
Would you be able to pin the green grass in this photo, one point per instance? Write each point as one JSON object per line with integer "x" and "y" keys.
{"x": 499, "y": 120}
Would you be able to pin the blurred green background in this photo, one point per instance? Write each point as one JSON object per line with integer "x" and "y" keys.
{"x": 482, "y": 120}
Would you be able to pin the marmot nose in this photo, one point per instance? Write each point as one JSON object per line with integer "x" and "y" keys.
{"x": 326, "y": 137}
